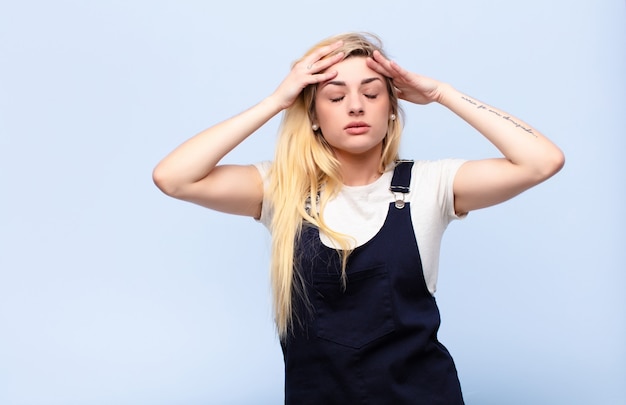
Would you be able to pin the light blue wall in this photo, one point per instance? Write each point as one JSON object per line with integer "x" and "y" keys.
{"x": 112, "y": 293}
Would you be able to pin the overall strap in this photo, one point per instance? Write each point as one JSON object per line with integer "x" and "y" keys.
{"x": 401, "y": 181}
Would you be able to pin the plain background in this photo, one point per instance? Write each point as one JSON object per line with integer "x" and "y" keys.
{"x": 112, "y": 293}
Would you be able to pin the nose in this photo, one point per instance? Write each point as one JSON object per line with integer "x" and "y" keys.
{"x": 355, "y": 106}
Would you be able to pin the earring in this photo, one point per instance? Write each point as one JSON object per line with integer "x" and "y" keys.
{"x": 392, "y": 117}
{"x": 315, "y": 127}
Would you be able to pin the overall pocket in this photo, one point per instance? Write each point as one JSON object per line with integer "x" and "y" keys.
{"x": 357, "y": 315}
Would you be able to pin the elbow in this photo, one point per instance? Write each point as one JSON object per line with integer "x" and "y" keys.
{"x": 557, "y": 161}
{"x": 552, "y": 164}
{"x": 163, "y": 182}
{"x": 560, "y": 161}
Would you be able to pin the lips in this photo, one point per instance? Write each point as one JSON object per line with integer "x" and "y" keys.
{"x": 357, "y": 128}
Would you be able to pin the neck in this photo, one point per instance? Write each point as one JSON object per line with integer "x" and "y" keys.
{"x": 359, "y": 170}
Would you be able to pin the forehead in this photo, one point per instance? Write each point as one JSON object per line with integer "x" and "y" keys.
{"x": 353, "y": 71}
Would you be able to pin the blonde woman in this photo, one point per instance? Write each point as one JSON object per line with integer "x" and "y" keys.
{"x": 353, "y": 293}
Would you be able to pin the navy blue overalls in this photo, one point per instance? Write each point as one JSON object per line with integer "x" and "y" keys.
{"x": 374, "y": 342}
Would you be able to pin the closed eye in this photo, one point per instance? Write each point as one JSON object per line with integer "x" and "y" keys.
{"x": 371, "y": 96}
{"x": 337, "y": 99}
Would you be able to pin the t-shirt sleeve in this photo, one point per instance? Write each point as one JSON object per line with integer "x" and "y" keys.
{"x": 432, "y": 209}
{"x": 266, "y": 210}
{"x": 449, "y": 168}
{"x": 433, "y": 185}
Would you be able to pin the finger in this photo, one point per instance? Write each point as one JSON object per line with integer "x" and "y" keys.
{"x": 326, "y": 76}
{"x": 399, "y": 70}
{"x": 324, "y": 64}
{"x": 389, "y": 64}
{"x": 377, "y": 67}
{"x": 386, "y": 67}
{"x": 326, "y": 50}
{"x": 318, "y": 55}
{"x": 318, "y": 78}
{"x": 379, "y": 58}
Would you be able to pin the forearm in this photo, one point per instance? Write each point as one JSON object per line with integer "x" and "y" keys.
{"x": 193, "y": 160}
{"x": 519, "y": 142}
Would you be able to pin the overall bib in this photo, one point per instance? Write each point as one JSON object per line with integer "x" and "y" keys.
{"x": 374, "y": 341}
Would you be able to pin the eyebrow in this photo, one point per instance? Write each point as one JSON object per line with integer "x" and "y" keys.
{"x": 341, "y": 83}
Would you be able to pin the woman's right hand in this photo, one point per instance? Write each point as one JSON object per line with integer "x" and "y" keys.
{"x": 191, "y": 171}
{"x": 311, "y": 69}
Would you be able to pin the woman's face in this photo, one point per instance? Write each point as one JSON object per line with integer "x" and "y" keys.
{"x": 353, "y": 109}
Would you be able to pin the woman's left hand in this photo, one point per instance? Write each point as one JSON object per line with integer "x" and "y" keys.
{"x": 411, "y": 86}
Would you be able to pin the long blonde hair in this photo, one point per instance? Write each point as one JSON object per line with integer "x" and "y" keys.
{"x": 303, "y": 163}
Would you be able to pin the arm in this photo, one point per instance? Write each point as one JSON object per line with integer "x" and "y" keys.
{"x": 191, "y": 171}
{"x": 529, "y": 157}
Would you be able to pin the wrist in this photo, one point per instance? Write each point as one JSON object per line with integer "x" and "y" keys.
{"x": 445, "y": 93}
{"x": 272, "y": 104}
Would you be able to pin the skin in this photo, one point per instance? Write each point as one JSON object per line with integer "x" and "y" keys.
{"x": 353, "y": 111}
{"x": 528, "y": 156}
{"x": 191, "y": 172}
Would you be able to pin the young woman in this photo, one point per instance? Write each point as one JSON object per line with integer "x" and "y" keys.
{"x": 355, "y": 231}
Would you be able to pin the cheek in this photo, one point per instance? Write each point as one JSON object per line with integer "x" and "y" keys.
{"x": 325, "y": 115}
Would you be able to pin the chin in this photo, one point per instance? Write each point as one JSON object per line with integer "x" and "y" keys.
{"x": 358, "y": 149}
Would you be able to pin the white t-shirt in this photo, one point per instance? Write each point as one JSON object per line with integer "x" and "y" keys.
{"x": 360, "y": 211}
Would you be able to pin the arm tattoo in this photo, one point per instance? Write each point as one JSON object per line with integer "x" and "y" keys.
{"x": 504, "y": 117}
